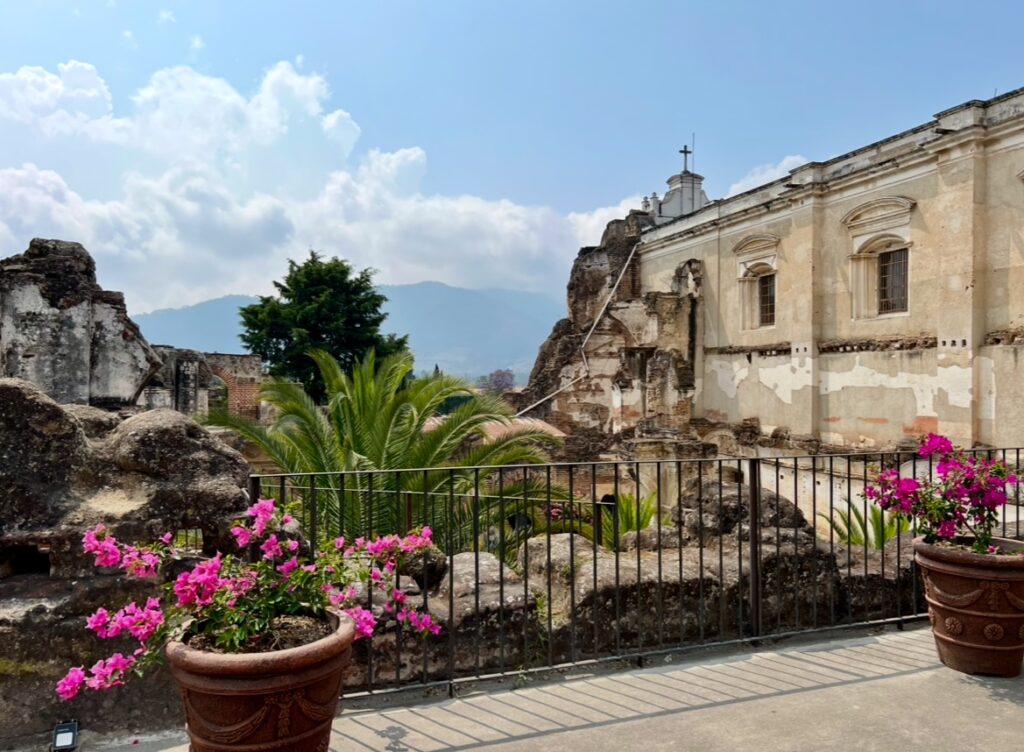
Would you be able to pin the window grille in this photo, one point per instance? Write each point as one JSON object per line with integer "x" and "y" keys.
{"x": 892, "y": 281}
{"x": 766, "y": 299}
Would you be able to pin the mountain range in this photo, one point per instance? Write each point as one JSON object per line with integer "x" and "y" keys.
{"x": 464, "y": 332}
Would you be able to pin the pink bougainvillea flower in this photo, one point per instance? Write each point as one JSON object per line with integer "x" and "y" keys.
{"x": 365, "y": 621}
{"x": 72, "y": 682}
{"x": 272, "y": 548}
{"x": 935, "y": 444}
{"x": 242, "y": 536}
{"x": 289, "y": 566}
{"x": 947, "y": 529}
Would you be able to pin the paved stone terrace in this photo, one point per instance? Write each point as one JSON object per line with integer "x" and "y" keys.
{"x": 881, "y": 692}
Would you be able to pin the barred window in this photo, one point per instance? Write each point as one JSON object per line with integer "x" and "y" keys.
{"x": 766, "y": 299}
{"x": 892, "y": 281}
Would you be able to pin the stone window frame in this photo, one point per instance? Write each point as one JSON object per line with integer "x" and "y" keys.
{"x": 876, "y": 227}
{"x": 756, "y": 256}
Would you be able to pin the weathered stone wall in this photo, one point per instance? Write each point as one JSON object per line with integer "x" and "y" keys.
{"x": 636, "y": 370}
{"x": 61, "y": 331}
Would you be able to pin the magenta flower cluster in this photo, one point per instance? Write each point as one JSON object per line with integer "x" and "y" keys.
{"x": 962, "y": 501}
{"x": 234, "y": 601}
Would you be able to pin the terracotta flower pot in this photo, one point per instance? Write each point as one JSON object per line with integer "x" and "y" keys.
{"x": 282, "y": 700}
{"x": 976, "y": 606}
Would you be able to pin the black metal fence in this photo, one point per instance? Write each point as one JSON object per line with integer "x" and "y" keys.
{"x": 570, "y": 563}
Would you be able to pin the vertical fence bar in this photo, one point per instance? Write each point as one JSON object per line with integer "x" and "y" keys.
{"x": 831, "y": 538}
{"x": 342, "y": 477}
{"x": 615, "y": 544}
{"x": 739, "y": 549}
{"x": 778, "y": 546}
{"x": 679, "y": 551}
{"x": 636, "y": 539}
{"x": 254, "y": 488}
{"x": 661, "y": 594}
{"x": 595, "y": 542}
{"x": 450, "y": 525}
{"x": 721, "y": 552}
{"x": 526, "y": 520}
{"x": 476, "y": 567}
{"x": 867, "y": 535}
{"x": 572, "y": 566}
{"x": 754, "y": 488}
{"x": 796, "y": 541}
{"x": 700, "y": 550}
{"x": 370, "y": 663}
{"x": 501, "y": 569}
{"x": 313, "y": 514}
{"x": 814, "y": 530}
{"x": 550, "y": 519}
{"x": 425, "y": 502}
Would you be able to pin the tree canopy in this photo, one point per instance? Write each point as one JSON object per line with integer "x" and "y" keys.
{"x": 497, "y": 382}
{"x": 323, "y": 305}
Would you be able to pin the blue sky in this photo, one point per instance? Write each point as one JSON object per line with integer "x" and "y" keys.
{"x": 194, "y": 146}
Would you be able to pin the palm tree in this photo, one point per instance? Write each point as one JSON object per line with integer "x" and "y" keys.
{"x": 387, "y": 461}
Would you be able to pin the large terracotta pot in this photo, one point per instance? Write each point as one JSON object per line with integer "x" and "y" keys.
{"x": 976, "y": 606}
{"x": 283, "y": 700}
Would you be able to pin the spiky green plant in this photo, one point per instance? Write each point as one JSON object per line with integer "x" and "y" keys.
{"x": 384, "y": 465}
{"x": 850, "y": 528}
{"x": 630, "y": 516}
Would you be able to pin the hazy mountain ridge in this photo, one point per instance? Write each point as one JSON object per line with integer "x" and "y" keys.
{"x": 465, "y": 332}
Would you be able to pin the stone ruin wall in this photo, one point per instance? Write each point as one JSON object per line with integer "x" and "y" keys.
{"x": 634, "y": 380}
{"x": 61, "y": 331}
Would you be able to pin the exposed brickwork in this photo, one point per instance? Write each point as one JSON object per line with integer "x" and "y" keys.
{"x": 242, "y": 374}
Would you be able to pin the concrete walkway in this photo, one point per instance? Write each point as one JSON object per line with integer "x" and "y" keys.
{"x": 883, "y": 692}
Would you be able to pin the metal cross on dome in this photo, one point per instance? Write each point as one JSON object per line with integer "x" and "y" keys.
{"x": 686, "y": 152}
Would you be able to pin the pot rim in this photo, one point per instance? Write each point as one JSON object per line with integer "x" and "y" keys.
{"x": 181, "y": 656}
{"x": 961, "y": 556}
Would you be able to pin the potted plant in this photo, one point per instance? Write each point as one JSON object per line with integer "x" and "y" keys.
{"x": 257, "y": 643}
{"x": 973, "y": 581}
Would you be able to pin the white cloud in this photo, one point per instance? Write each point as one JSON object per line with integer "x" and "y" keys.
{"x": 196, "y": 44}
{"x": 766, "y": 173}
{"x": 203, "y": 212}
{"x": 128, "y": 36}
{"x": 589, "y": 226}
{"x": 166, "y": 16}
{"x": 300, "y": 60}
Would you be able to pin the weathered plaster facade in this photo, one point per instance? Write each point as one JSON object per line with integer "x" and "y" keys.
{"x": 827, "y": 366}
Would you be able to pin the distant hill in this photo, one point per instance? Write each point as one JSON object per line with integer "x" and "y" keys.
{"x": 465, "y": 332}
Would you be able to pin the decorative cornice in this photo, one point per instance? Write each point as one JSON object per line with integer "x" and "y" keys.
{"x": 757, "y": 243}
{"x": 880, "y": 211}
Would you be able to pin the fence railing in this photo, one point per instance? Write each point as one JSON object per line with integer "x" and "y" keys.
{"x": 570, "y": 563}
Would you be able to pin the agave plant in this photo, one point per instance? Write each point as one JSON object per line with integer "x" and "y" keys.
{"x": 386, "y": 460}
{"x": 627, "y": 516}
{"x": 850, "y": 528}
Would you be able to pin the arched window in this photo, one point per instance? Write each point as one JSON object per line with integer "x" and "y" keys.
{"x": 880, "y": 276}
{"x": 757, "y": 256}
{"x": 757, "y": 291}
{"x": 880, "y": 263}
